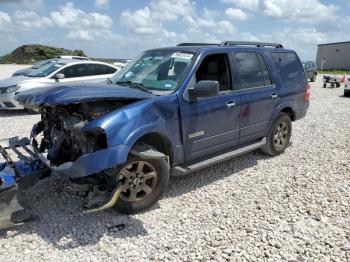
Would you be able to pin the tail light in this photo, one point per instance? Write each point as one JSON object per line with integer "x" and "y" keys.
{"x": 307, "y": 92}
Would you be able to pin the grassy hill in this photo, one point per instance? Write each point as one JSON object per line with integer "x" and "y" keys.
{"x": 29, "y": 54}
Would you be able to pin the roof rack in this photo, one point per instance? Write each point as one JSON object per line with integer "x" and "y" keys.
{"x": 197, "y": 44}
{"x": 257, "y": 44}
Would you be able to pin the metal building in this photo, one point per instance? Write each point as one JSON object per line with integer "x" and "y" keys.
{"x": 333, "y": 56}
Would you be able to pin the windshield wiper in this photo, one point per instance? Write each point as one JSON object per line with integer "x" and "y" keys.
{"x": 136, "y": 85}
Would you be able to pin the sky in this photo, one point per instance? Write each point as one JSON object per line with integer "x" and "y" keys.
{"x": 123, "y": 29}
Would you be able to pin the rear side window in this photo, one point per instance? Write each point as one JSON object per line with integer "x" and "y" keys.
{"x": 79, "y": 70}
{"x": 265, "y": 71}
{"x": 289, "y": 68}
{"x": 98, "y": 69}
{"x": 252, "y": 70}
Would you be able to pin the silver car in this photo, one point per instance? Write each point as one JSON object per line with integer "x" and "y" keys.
{"x": 64, "y": 71}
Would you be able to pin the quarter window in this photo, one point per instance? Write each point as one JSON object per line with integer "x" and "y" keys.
{"x": 289, "y": 68}
{"x": 98, "y": 69}
{"x": 250, "y": 71}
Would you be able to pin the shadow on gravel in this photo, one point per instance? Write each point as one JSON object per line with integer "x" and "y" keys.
{"x": 9, "y": 113}
{"x": 185, "y": 184}
{"x": 62, "y": 223}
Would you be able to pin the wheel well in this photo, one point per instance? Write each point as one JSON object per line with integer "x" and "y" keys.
{"x": 290, "y": 112}
{"x": 160, "y": 142}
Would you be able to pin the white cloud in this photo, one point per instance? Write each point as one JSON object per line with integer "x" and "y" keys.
{"x": 252, "y": 5}
{"x": 236, "y": 14}
{"x": 4, "y": 18}
{"x": 29, "y": 4}
{"x": 312, "y": 10}
{"x": 102, "y": 4}
{"x": 69, "y": 17}
{"x": 31, "y": 20}
{"x": 141, "y": 21}
{"x": 170, "y": 10}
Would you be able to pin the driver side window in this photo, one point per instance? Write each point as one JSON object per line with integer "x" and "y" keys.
{"x": 215, "y": 68}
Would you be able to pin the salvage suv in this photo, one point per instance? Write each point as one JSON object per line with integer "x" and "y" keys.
{"x": 171, "y": 111}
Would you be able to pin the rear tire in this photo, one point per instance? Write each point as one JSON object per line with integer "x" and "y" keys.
{"x": 346, "y": 93}
{"x": 279, "y": 135}
{"x": 313, "y": 78}
{"x": 147, "y": 177}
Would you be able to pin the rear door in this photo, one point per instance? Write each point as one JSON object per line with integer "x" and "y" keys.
{"x": 99, "y": 73}
{"x": 258, "y": 95}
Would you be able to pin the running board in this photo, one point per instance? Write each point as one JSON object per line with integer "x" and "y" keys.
{"x": 184, "y": 170}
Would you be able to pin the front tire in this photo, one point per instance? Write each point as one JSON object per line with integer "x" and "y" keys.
{"x": 279, "y": 135}
{"x": 143, "y": 182}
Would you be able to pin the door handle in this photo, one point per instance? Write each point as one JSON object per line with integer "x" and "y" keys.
{"x": 230, "y": 104}
{"x": 274, "y": 96}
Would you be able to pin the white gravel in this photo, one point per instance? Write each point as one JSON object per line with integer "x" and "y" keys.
{"x": 293, "y": 207}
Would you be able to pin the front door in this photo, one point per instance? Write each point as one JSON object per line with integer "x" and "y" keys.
{"x": 259, "y": 95}
{"x": 210, "y": 125}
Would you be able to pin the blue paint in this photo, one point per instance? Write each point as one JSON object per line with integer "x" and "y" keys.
{"x": 172, "y": 117}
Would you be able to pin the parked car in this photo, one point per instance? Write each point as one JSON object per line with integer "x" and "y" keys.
{"x": 65, "y": 71}
{"x": 310, "y": 70}
{"x": 25, "y": 71}
{"x": 347, "y": 87}
{"x": 171, "y": 111}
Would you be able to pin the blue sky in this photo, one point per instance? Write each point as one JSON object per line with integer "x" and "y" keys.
{"x": 122, "y": 29}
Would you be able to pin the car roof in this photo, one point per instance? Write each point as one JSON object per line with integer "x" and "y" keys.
{"x": 78, "y": 61}
{"x": 232, "y": 45}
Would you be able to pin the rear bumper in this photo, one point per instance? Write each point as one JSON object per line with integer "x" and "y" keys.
{"x": 93, "y": 163}
{"x": 8, "y": 102}
{"x": 300, "y": 114}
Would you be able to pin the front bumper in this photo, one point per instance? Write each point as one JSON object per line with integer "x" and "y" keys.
{"x": 8, "y": 102}
{"x": 93, "y": 163}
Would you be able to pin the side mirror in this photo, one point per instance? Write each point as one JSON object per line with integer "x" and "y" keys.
{"x": 203, "y": 89}
{"x": 59, "y": 77}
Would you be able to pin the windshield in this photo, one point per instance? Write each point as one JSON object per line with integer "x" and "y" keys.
{"x": 42, "y": 63}
{"x": 160, "y": 70}
{"x": 46, "y": 69}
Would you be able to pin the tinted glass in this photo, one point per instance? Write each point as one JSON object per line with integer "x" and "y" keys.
{"x": 75, "y": 71}
{"x": 46, "y": 69}
{"x": 289, "y": 68}
{"x": 265, "y": 71}
{"x": 249, "y": 69}
{"x": 98, "y": 69}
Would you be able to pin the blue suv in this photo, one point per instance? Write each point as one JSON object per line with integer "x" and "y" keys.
{"x": 171, "y": 111}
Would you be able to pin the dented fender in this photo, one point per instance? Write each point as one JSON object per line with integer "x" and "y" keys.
{"x": 127, "y": 125}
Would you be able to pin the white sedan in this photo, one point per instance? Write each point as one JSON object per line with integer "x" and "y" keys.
{"x": 59, "y": 71}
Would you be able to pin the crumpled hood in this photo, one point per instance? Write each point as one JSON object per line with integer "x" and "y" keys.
{"x": 12, "y": 81}
{"x": 65, "y": 95}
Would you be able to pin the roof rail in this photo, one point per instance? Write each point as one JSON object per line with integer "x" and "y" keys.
{"x": 196, "y": 44}
{"x": 257, "y": 44}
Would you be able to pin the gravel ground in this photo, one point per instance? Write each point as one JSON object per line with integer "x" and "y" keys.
{"x": 293, "y": 207}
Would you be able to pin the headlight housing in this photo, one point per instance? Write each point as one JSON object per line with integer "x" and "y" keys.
{"x": 10, "y": 89}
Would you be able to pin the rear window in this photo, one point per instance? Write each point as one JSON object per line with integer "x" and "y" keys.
{"x": 289, "y": 69}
